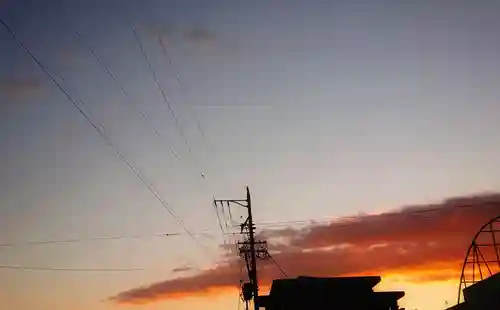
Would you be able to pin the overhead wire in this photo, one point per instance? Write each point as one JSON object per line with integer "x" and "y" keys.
{"x": 103, "y": 238}
{"x": 177, "y": 124}
{"x": 296, "y": 222}
{"x": 24, "y": 268}
{"x": 131, "y": 103}
{"x": 165, "y": 98}
{"x": 348, "y": 220}
{"x": 100, "y": 131}
{"x": 193, "y": 114}
{"x": 216, "y": 208}
{"x": 167, "y": 55}
{"x": 224, "y": 215}
{"x": 277, "y": 265}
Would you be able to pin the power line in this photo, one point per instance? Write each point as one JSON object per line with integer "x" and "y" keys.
{"x": 164, "y": 96}
{"x": 168, "y": 57}
{"x": 23, "y": 268}
{"x": 129, "y": 99}
{"x": 172, "y": 113}
{"x": 292, "y": 223}
{"x": 216, "y": 208}
{"x": 143, "y": 180}
{"x": 277, "y": 265}
{"x": 144, "y": 115}
{"x": 190, "y": 107}
{"x": 354, "y": 220}
{"x": 103, "y": 238}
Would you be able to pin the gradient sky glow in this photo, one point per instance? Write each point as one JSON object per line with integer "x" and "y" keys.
{"x": 325, "y": 108}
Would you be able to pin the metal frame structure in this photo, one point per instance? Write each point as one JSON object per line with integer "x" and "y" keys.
{"x": 483, "y": 256}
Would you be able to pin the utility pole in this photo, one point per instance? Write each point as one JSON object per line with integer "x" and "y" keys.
{"x": 249, "y": 249}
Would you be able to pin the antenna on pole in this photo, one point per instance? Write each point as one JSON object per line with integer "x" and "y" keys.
{"x": 249, "y": 249}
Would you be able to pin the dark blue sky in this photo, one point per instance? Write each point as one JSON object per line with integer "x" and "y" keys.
{"x": 324, "y": 108}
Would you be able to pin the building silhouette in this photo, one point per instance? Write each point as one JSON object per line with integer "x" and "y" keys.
{"x": 349, "y": 293}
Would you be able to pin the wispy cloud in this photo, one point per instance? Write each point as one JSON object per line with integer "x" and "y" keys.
{"x": 68, "y": 57}
{"x": 420, "y": 243}
{"x": 157, "y": 29}
{"x": 199, "y": 34}
{"x": 182, "y": 269}
{"x": 21, "y": 88}
{"x": 177, "y": 33}
{"x": 4, "y": 3}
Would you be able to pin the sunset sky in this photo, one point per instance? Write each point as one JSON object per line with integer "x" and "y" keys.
{"x": 358, "y": 111}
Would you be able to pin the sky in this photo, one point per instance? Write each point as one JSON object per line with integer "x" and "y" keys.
{"x": 326, "y": 109}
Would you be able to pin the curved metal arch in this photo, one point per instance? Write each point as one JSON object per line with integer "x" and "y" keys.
{"x": 474, "y": 248}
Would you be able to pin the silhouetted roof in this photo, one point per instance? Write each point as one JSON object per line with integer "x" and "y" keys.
{"x": 481, "y": 295}
{"x": 337, "y": 284}
{"x": 387, "y": 296}
{"x": 341, "y": 291}
{"x": 486, "y": 287}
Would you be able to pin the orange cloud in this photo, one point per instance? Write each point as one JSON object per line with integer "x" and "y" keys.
{"x": 222, "y": 277}
{"x": 420, "y": 243}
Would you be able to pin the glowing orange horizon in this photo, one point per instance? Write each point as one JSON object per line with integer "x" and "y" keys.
{"x": 438, "y": 272}
{"x": 417, "y": 248}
